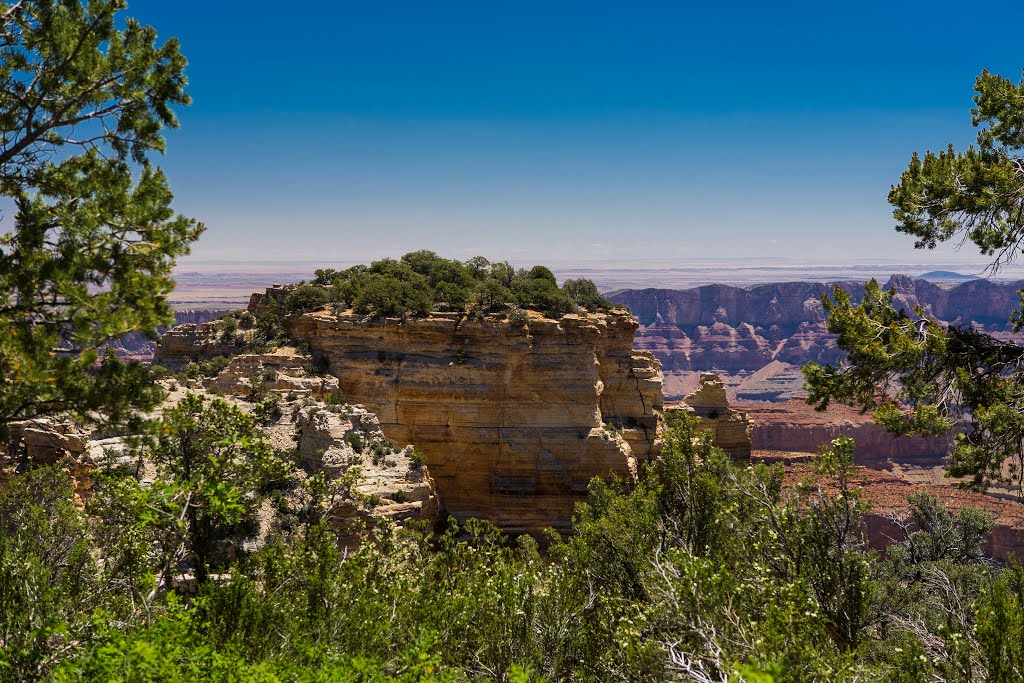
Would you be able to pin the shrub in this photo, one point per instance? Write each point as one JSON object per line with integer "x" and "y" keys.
{"x": 490, "y": 295}
{"x": 417, "y": 460}
{"x": 355, "y": 440}
{"x": 584, "y": 293}
{"x": 210, "y": 367}
{"x": 159, "y": 372}
{"x": 335, "y": 398}
{"x": 517, "y": 316}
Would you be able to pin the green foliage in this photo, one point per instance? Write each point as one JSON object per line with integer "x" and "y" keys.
{"x": 417, "y": 459}
{"x": 977, "y": 194}
{"x": 422, "y": 281}
{"x": 584, "y": 293}
{"x": 700, "y": 571}
{"x": 47, "y": 577}
{"x": 931, "y": 379}
{"x": 919, "y": 378}
{"x": 356, "y": 440}
{"x": 215, "y": 466}
{"x": 306, "y": 298}
{"x": 210, "y": 367}
{"x": 335, "y": 398}
{"x": 85, "y": 96}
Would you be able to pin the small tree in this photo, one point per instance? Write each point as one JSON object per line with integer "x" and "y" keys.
{"x": 306, "y": 298}
{"x": 584, "y": 293}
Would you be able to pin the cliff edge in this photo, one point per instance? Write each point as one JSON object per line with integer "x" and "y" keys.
{"x": 515, "y": 418}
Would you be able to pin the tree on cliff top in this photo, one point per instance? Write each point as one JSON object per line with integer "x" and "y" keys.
{"x": 91, "y": 238}
{"x": 918, "y": 377}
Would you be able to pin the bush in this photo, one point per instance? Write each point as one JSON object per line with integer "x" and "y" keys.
{"x": 158, "y": 372}
{"x": 335, "y": 398}
{"x": 355, "y": 440}
{"x": 417, "y": 460}
{"x": 210, "y": 367}
{"x": 517, "y": 316}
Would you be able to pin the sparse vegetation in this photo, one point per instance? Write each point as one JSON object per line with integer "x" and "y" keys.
{"x": 210, "y": 367}
{"x": 355, "y": 439}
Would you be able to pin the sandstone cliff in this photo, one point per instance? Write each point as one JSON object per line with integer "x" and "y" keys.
{"x": 514, "y": 419}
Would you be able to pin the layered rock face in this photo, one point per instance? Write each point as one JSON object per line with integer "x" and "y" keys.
{"x": 189, "y": 342}
{"x": 136, "y": 346}
{"x": 730, "y": 429}
{"x": 514, "y": 419}
{"x": 739, "y": 331}
{"x": 283, "y": 370}
{"x": 795, "y": 427}
{"x": 337, "y": 438}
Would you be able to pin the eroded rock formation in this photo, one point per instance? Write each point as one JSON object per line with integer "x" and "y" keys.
{"x": 283, "y": 370}
{"x": 730, "y": 429}
{"x": 137, "y": 346}
{"x": 188, "y": 343}
{"x": 515, "y": 419}
{"x": 392, "y": 483}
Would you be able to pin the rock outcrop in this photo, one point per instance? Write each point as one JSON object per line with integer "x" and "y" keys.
{"x": 189, "y": 343}
{"x": 137, "y": 346}
{"x": 514, "y": 419}
{"x": 795, "y": 427}
{"x": 283, "y": 370}
{"x": 393, "y": 483}
{"x": 730, "y": 429}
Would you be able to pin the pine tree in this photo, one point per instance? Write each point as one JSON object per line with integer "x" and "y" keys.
{"x": 87, "y": 250}
{"x": 915, "y": 375}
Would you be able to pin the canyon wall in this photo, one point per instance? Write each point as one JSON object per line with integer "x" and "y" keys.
{"x": 740, "y": 331}
{"x": 514, "y": 419}
{"x": 795, "y": 427}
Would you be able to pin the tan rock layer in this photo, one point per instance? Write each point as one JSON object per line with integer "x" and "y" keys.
{"x": 284, "y": 370}
{"x": 189, "y": 342}
{"x": 512, "y": 417}
{"x": 731, "y": 430}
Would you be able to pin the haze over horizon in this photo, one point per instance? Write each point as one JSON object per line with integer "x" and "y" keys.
{"x": 582, "y": 131}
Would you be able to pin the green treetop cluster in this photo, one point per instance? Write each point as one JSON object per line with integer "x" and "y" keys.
{"x": 421, "y": 282}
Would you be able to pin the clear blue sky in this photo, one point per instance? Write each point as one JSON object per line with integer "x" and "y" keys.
{"x": 532, "y": 130}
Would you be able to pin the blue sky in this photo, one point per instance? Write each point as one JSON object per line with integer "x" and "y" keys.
{"x": 567, "y": 130}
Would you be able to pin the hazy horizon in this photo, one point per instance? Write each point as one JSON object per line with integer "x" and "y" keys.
{"x": 228, "y": 283}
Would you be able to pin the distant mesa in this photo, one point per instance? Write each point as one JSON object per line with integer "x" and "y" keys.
{"x": 944, "y": 276}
